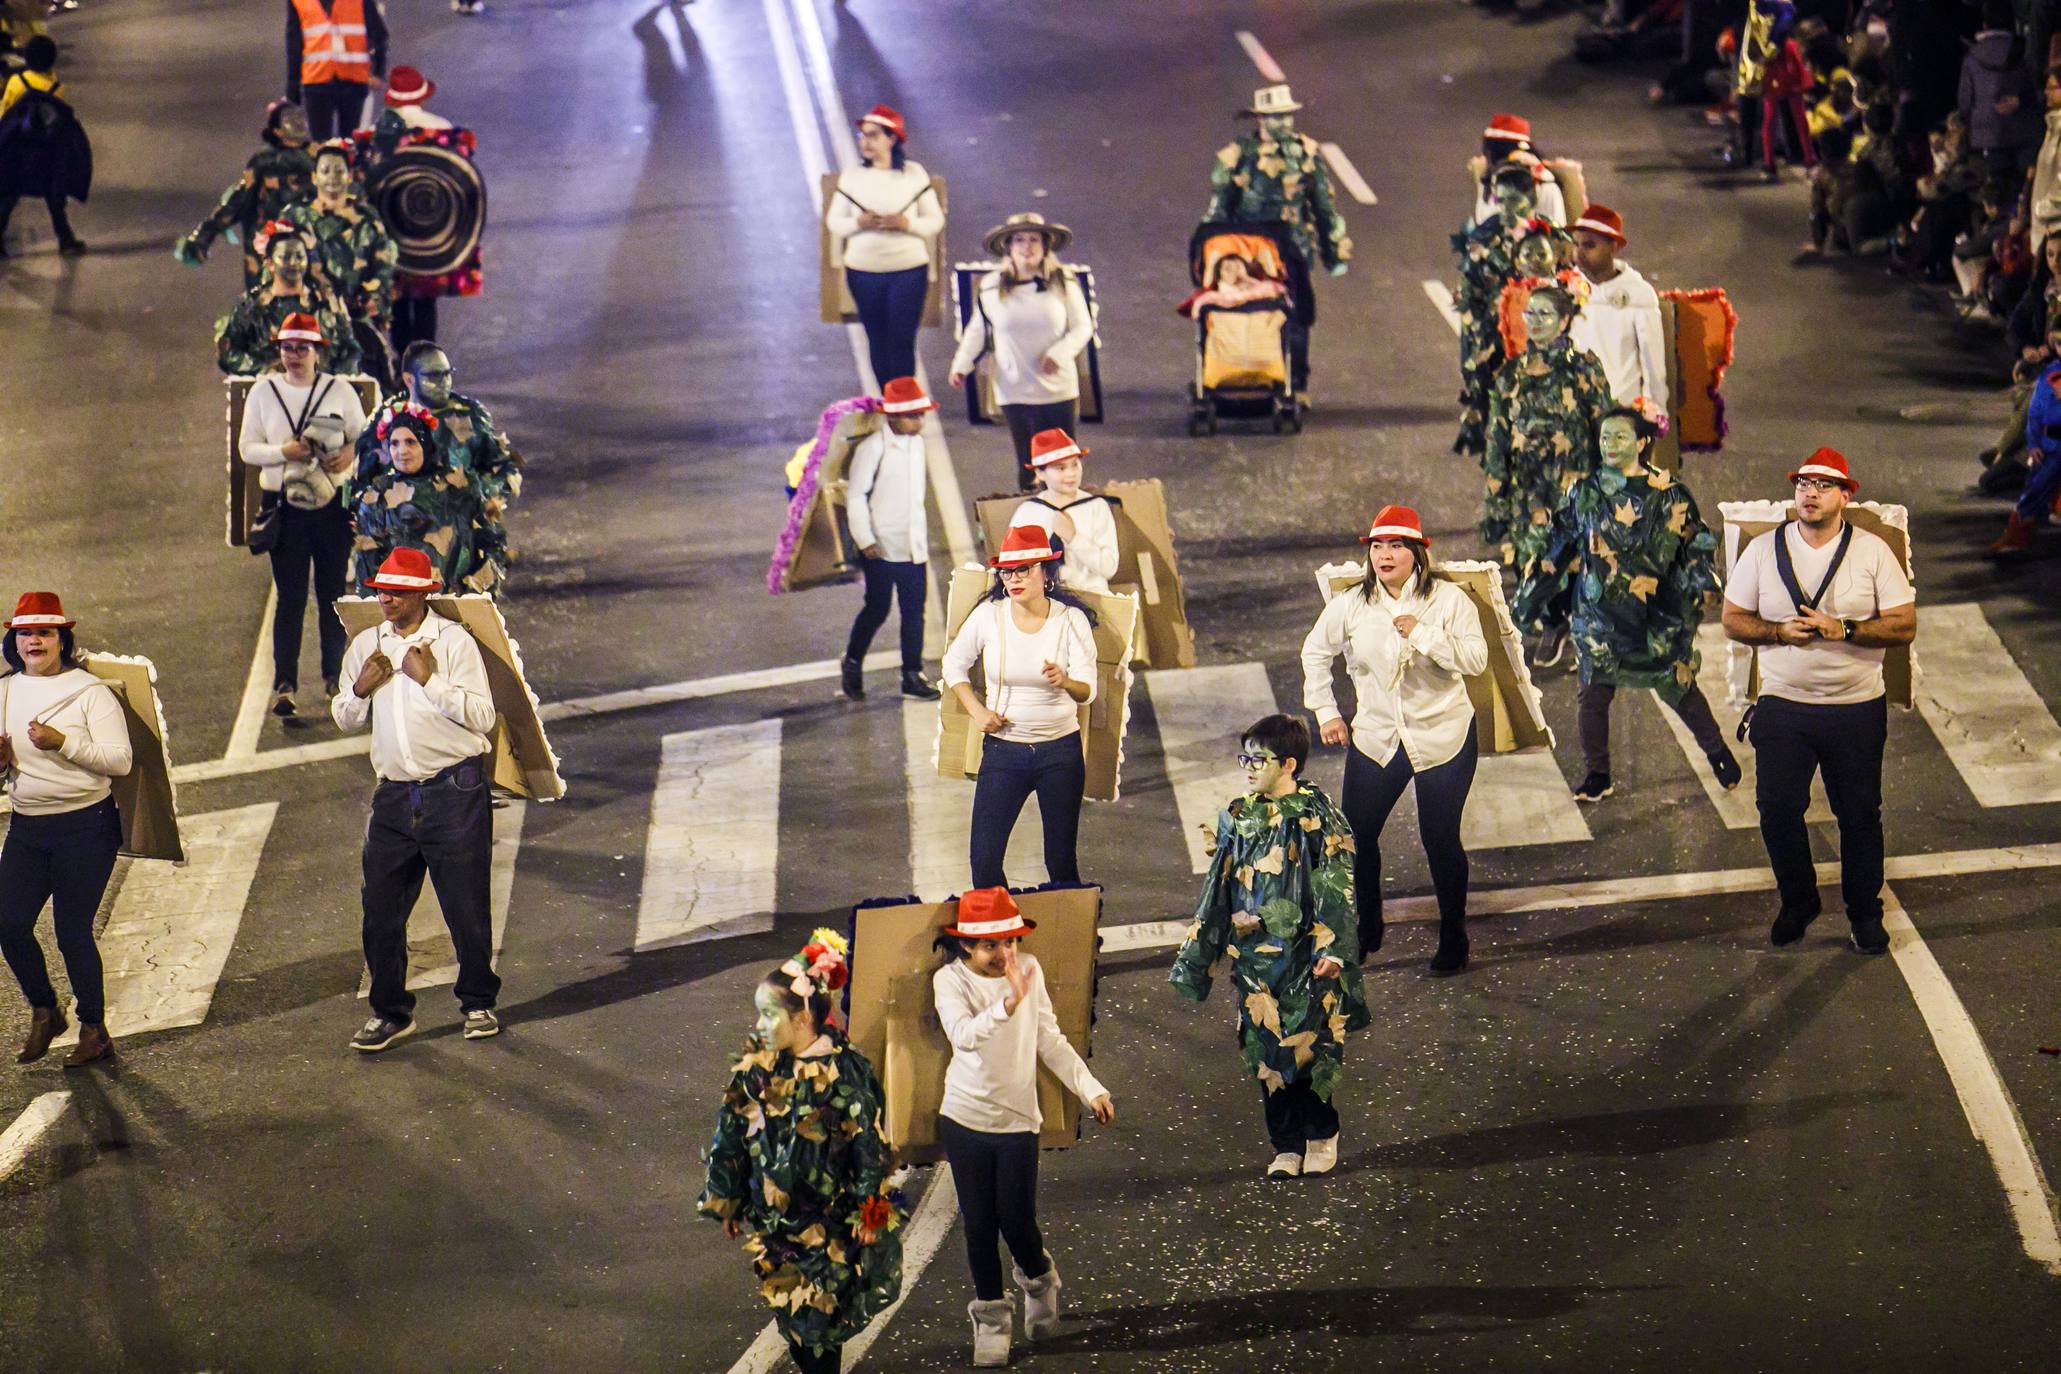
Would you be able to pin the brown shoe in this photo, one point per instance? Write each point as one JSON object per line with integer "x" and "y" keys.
{"x": 45, "y": 1025}
{"x": 93, "y": 1044}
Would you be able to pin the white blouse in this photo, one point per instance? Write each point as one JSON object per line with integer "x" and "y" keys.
{"x": 885, "y": 191}
{"x": 992, "y": 1082}
{"x": 1012, "y": 661}
{"x": 1410, "y": 692}
{"x": 1029, "y": 324}
{"x": 74, "y": 775}
{"x": 1091, "y": 555}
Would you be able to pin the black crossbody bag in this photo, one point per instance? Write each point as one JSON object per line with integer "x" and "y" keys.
{"x": 1785, "y": 568}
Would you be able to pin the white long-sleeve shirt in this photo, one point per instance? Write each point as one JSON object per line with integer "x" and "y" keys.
{"x": 884, "y": 492}
{"x": 1092, "y": 554}
{"x": 992, "y": 1082}
{"x": 1027, "y": 324}
{"x": 74, "y": 775}
{"x": 1621, "y": 325}
{"x": 1409, "y": 692}
{"x": 273, "y": 406}
{"x": 885, "y": 191}
{"x": 1012, "y": 664}
{"x": 419, "y": 729}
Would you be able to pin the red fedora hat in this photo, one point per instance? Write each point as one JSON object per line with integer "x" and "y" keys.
{"x": 989, "y": 913}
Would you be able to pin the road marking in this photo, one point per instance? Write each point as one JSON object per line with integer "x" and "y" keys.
{"x": 173, "y": 924}
{"x": 1442, "y": 296}
{"x": 712, "y": 854}
{"x": 1517, "y": 799}
{"x": 257, "y": 685}
{"x": 1737, "y": 807}
{"x": 808, "y": 135}
{"x": 1348, "y": 175}
{"x": 1261, "y": 58}
{"x": 1199, "y": 712}
{"x": 21, "y": 1136}
{"x": 1985, "y": 714}
{"x": 432, "y": 959}
{"x": 941, "y": 819}
{"x": 1992, "y": 1114}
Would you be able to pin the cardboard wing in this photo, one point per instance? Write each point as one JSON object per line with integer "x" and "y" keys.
{"x": 834, "y": 297}
{"x": 1574, "y": 185}
{"x": 1147, "y": 566}
{"x": 823, "y": 556}
{"x": 524, "y": 762}
{"x": 150, "y": 809}
{"x": 981, "y": 406}
{"x": 893, "y": 1016}
{"x": 1746, "y": 521}
{"x": 244, "y": 491}
{"x": 1509, "y": 713}
{"x": 1103, "y": 720}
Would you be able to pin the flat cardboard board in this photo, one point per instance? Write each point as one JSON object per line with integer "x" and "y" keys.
{"x": 1509, "y": 714}
{"x": 150, "y": 810}
{"x": 244, "y": 491}
{"x": 1147, "y": 567}
{"x": 524, "y": 762}
{"x": 824, "y": 555}
{"x": 1746, "y": 521}
{"x": 893, "y": 1017}
{"x": 981, "y": 406}
{"x": 834, "y": 298}
{"x": 1103, "y": 720}
{"x": 1667, "y": 449}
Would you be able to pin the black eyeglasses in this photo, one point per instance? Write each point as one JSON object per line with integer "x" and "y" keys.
{"x": 1817, "y": 484}
{"x": 1254, "y": 760}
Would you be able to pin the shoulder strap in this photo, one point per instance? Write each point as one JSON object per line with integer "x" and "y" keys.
{"x": 1785, "y": 567}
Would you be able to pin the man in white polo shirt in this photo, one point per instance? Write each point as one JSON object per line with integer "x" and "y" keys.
{"x": 1621, "y": 323}
{"x": 1822, "y": 601}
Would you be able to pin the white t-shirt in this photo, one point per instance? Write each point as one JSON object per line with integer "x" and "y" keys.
{"x": 992, "y": 1082}
{"x": 1092, "y": 555}
{"x": 1823, "y": 672}
{"x": 1012, "y": 664}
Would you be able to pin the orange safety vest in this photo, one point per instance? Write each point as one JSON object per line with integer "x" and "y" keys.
{"x": 333, "y": 46}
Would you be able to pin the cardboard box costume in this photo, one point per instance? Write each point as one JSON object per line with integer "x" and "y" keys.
{"x": 245, "y": 495}
{"x": 815, "y": 547}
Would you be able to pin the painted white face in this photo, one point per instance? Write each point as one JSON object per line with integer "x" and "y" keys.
{"x": 778, "y": 1028}
{"x": 332, "y": 176}
{"x": 1543, "y": 321}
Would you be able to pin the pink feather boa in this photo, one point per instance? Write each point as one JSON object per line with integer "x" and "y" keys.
{"x": 805, "y": 490}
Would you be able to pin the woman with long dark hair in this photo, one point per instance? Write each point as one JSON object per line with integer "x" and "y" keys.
{"x": 885, "y": 215}
{"x": 1036, "y": 646}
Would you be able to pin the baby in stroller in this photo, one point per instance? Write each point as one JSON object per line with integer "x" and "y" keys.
{"x": 1243, "y": 323}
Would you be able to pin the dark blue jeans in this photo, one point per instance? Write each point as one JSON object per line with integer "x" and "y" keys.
{"x": 1009, "y": 772}
{"x": 1791, "y": 741}
{"x": 66, "y": 860}
{"x": 1371, "y": 792}
{"x": 891, "y": 309}
{"x": 885, "y": 582}
{"x": 443, "y": 827}
{"x": 996, "y": 1175}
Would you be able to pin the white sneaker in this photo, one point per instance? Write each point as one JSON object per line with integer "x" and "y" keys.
{"x": 1320, "y": 1156}
{"x": 1285, "y": 1165}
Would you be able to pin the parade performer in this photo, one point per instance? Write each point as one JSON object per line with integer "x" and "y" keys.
{"x": 1620, "y": 323}
{"x": 244, "y": 337}
{"x": 406, "y": 123}
{"x": 1410, "y": 642}
{"x": 798, "y": 1161}
{"x": 1032, "y": 314}
{"x": 44, "y": 151}
{"x": 1279, "y": 900}
{"x": 422, "y": 682}
{"x": 353, "y": 250}
{"x": 1036, "y": 646}
{"x": 1275, "y": 174}
{"x": 62, "y": 736}
{"x": 884, "y": 216}
{"x": 887, "y": 480}
{"x": 335, "y": 51}
{"x": 1822, "y": 601}
{"x": 1770, "y": 80}
{"x": 277, "y": 175}
{"x": 997, "y": 1014}
{"x": 1487, "y": 262}
{"x": 1083, "y": 522}
{"x": 1632, "y": 551}
{"x": 298, "y": 430}
{"x": 1544, "y": 250}
{"x": 1508, "y": 137}
{"x": 415, "y": 501}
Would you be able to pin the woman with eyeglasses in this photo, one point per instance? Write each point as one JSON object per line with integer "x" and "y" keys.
{"x": 1036, "y": 646}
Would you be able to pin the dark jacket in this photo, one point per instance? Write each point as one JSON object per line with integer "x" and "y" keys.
{"x": 44, "y": 151}
{"x": 1993, "y": 69}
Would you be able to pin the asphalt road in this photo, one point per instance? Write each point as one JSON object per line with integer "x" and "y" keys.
{"x": 1630, "y": 1135}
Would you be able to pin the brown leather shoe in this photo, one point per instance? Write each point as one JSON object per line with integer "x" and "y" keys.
{"x": 93, "y": 1044}
{"x": 45, "y": 1025}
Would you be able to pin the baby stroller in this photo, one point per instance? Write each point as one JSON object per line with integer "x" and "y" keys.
{"x": 1251, "y": 335}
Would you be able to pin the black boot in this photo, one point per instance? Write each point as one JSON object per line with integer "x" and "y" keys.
{"x": 915, "y": 685}
{"x": 1452, "y": 951}
{"x": 851, "y": 679}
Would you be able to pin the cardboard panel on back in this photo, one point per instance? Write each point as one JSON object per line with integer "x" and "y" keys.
{"x": 150, "y": 811}
{"x": 834, "y": 297}
{"x": 981, "y": 406}
{"x": 822, "y": 553}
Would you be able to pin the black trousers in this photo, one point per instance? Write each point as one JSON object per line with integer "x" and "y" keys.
{"x": 890, "y": 307}
{"x": 334, "y": 108}
{"x": 1025, "y": 421}
{"x": 888, "y": 581}
{"x": 996, "y": 1174}
{"x": 415, "y": 319}
{"x": 1296, "y": 1116}
{"x": 1057, "y": 771}
{"x": 1791, "y": 741}
{"x": 443, "y": 827}
{"x": 1594, "y": 700}
{"x": 60, "y": 222}
{"x": 1371, "y": 792}
{"x": 66, "y": 860}
{"x": 829, "y": 1362}
{"x": 317, "y": 541}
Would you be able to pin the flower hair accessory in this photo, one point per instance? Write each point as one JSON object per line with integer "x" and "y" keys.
{"x": 408, "y": 409}
{"x": 269, "y": 234}
{"x": 1575, "y": 285}
{"x": 1652, "y": 412}
{"x": 820, "y": 967}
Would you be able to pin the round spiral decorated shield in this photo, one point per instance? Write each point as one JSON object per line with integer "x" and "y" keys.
{"x": 434, "y": 203}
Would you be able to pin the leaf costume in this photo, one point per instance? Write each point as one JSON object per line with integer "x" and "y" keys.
{"x": 244, "y": 342}
{"x": 1541, "y": 441}
{"x": 799, "y": 1160}
{"x": 475, "y": 449}
{"x": 1642, "y": 564}
{"x": 274, "y": 178}
{"x": 1487, "y": 262}
{"x": 1262, "y": 178}
{"x": 1279, "y": 897}
{"x": 355, "y": 253}
{"x": 433, "y": 510}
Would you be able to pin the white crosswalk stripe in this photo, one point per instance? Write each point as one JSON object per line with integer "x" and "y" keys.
{"x": 1986, "y": 715}
{"x": 432, "y": 962}
{"x": 711, "y": 869}
{"x": 1199, "y": 710}
{"x": 941, "y": 814}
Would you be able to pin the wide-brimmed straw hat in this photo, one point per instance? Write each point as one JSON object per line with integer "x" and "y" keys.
{"x": 996, "y": 240}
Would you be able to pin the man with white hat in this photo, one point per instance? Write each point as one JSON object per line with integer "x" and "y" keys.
{"x": 1621, "y": 323}
{"x": 886, "y": 486}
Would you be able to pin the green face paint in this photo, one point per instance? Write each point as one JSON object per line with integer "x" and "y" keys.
{"x": 1515, "y": 203}
{"x": 332, "y": 176}
{"x": 1618, "y": 437}
{"x": 430, "y": 379}
{"x": 1542, "y": 322}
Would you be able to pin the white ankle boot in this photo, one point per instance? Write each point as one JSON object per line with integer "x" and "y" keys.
{"x": 993, "y": 1329}
{"x": 1040, "y": 1301}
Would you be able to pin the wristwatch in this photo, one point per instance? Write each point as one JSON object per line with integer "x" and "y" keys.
{"x": 1847, "y": 628}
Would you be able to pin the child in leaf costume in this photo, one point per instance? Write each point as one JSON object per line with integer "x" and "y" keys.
{"x": 1278, "y": 904}
{"x": 798, "y": 1165}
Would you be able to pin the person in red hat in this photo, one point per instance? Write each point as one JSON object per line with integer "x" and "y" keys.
{"x": 1410, "y": 641}
{"x": 883, "y": 218}
{"x": 1036, "y": 646}
{"x": 1620, "y": 322}
{"x": 1821, "y": 601}
{"x": 421, "y": 681}
{"x": 1083, "y": 521}
{"x": 996, "y": 1012}
{"x": 62, "y": 737}
{"x": 1508, "y": 137}
{"x": 886, "y": 487}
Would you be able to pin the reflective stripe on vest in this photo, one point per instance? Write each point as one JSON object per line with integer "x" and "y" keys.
{"x": 333, "y": 41}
